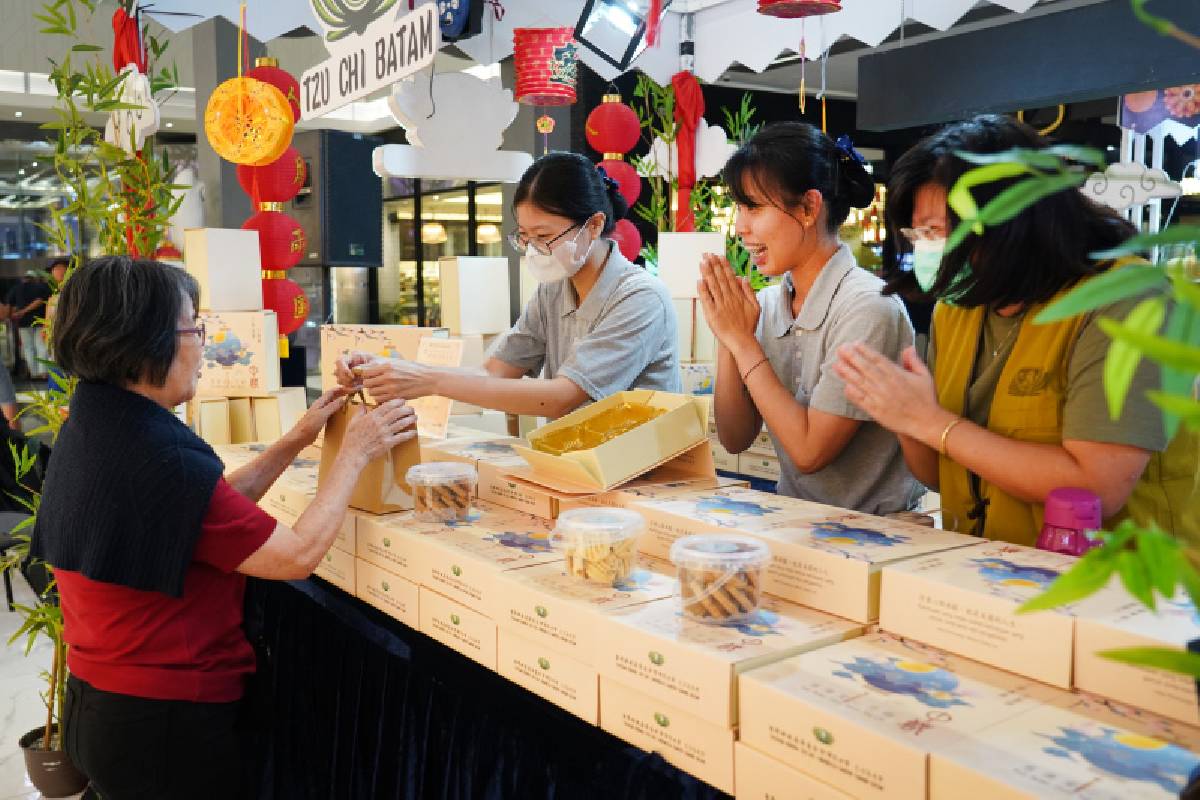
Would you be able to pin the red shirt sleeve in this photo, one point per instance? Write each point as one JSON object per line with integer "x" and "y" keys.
{"x": 233, "y": 528}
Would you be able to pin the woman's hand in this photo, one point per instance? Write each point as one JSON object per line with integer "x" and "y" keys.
{"x": 397, "y": 379}
{"x": 900, "y": 397}
{"x": 313, "y": 421}
{"x": 343, "y": 370}
{"x": 373, "y": 433}
{"x": 730, "y": 305}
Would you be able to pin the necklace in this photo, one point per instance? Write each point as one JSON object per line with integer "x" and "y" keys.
{"x": 1011, "y": 333}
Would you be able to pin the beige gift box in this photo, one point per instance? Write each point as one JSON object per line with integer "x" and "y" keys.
{"x": 722, "y": 458}
{"x": 759, "y": 465}
{"x": 694, "y": 666}
{"x": 695, "y": 745}
{"x": 544, "y": 604}
{"x": 464, "y": 560}
{"x": 1074, "y": 747}
{"x": 226, "y": 264}
{"x": 760, "y": 777}
{"x": 294, "y": 490}
{"x": 337, "y": 566}
{"x": 549, "y": 674}
{"x": 965, "y": 601}
{"x": 1111, "y": 619}
{"x": 863, "y": 715}
{"x": 458, "y": 627}
{"x": 387, "y": 341}
{"x": 241, "y": 354}
{"x": 390, "y": 593}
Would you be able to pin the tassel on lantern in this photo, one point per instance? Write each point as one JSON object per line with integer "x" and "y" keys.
{"x": 653, "y": 22}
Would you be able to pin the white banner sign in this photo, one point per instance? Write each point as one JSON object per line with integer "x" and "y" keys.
{"x": 388, "y": 50}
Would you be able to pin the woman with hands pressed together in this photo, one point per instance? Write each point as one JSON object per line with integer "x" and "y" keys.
{"x": 151, "y": 545}
{"x": 1009, "y": 409}
{"x": 596, "y": 325}
{"x": 794, "y": 187}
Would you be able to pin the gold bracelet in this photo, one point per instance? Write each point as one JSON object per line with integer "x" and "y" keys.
{"x": 760, "y": 362}
{"x": 946, "y": 432}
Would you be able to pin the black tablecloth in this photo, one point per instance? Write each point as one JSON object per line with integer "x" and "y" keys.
{"x": 361, "y": 706}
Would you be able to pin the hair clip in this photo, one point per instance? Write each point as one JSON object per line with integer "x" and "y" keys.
{"x": 609, "y": 183}
{"x": 846, "y": 148}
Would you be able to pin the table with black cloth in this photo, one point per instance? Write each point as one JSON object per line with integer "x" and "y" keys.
{"x": 361, "y": 706}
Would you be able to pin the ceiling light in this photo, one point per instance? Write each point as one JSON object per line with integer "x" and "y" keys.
{"x": 18, "y": 114}
{"x": 21, "y": 171}
{"x": 433, "y": 233}
{"x": 33, "y": 164}
{"x": 488, "y": 234}
{"x": 170, "y": 124}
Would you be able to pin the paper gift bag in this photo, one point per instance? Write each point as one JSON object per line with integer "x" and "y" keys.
{"x": 381, "y": 488}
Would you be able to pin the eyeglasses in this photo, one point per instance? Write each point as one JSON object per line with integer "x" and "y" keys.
{"x": 925, "y": 233}
{"x": 198, "y": 330}
{"x": 520, "y": 243}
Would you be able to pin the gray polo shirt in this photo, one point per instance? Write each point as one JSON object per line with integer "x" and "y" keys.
{"x": 843, "y": 306}
{"x": 622, "y": 336}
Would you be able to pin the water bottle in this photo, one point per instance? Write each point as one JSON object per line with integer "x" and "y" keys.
{"x": 1071, "y": 514}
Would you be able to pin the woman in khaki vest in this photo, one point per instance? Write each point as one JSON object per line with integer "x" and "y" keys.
{"x": 1008, "y": 410}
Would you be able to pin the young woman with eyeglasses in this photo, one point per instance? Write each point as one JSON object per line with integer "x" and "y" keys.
{"x": 596, "y": 325}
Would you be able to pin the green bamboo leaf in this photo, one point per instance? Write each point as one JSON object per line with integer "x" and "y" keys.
{"x": 1176, "y": 234}
{"x": 87, "y": 48}
{"x": 1104, "y": 289}
{"x": 1156, "y": 348}
{"x": 1160, "y": 554}
{"x": 1185, "y": 409}
{"x": 1088, "y": 576}
{"x": 960, "y": 198}
{"x": 1182, "y": 325}
{"x": 1136, "y": 577}
{"x": 1041, "y": 159}
{"x": 1158, "y": 24}
{"x": 1123, "y": 358}
{"x": 1191, "y": 582}
{"x": 1178, "y": 661}
{"x": 1018, "y": 197}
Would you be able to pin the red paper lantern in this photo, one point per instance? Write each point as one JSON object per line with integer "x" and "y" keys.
{"x": 266, "y": 69}
{"x": 288, "y": 301}
{"x": 277, "y": 182}
{"x": 612, "y": 127}
{"x": 546, "y": 60}
{"x": 628, "y": 239}
{"x": 281, "y": 240}
{"x": 626, "y": 176}
{"x": 794, "y": 9}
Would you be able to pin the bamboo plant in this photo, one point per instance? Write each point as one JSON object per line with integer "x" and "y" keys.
{"x": 126, "y": 200}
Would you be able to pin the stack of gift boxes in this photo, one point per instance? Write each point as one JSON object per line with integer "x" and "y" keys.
{"x": 239, "y": 398}
{"x": 886, "y": 659}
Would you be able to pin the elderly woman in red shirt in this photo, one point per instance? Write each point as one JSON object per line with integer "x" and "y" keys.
{"x": 151, "y": 546}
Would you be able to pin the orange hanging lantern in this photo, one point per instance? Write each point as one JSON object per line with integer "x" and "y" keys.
{"x": 612, "y": 127}
{"x": 281, "y": 240}
{"x": 795, "y": 9}
{"x": 287, "y": 300}
{"x": 267, "y": 70}
{"x": 277, "y": 182}
{"x": 547, "y": 64}
{"x": 248, "y": 121}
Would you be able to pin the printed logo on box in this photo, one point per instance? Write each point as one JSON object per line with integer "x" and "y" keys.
{"x": 823, "y": 736}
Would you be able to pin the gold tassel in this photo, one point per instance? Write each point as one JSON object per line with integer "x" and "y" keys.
{"x": 284, "y": 351}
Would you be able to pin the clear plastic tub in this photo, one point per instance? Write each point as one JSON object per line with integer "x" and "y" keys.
{"x": 443, "y": 491}
{"x": 720, "y": 576}
{"x": 600, "y": 544}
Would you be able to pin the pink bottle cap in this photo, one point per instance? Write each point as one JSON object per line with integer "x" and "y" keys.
{"x": 1077, "y": 509}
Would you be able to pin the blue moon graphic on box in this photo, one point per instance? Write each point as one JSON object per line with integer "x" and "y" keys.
{"x": 761, "y": 623}
{"x": 840, "y": 533}
{"x": 635, "y": 582}
{"x": 716, "y": 504}
{"x": 1128, "y": 755}
{"x": 494, "y": 448}
{"x": 925, "y": 683}
{"x": 227, "y": 350}
{"x": 1006, "y": 573}
{"x": 528, "y": 542}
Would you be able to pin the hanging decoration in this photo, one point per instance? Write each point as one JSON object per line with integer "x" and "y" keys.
{"x": 547, "y": 63}
{"x": 628, "y": 239}
{"x": 654, "y": 22}
{"x": 281, "y": 240}
{"x": 287, "y": 299}
{"x": 266, "y": 69}
{"x": 127, "y": 128}
{"x": 545, "y": 126}
{"x": 277, "y": 182}
{"x": 798, "y": 9}
{"x": 613, "y": 129}
{"x": 689, "y": 111}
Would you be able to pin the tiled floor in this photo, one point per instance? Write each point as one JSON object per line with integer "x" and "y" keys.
{"x": 21, "y": 708}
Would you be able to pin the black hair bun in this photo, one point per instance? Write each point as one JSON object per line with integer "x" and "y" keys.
{"x": 857, "y": 185}
{"x": 620, "y": 206}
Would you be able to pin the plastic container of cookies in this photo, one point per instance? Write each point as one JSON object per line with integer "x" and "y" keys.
{"x": 443, "y": 491}
{"x": 720, "y": 576}
{"x": 599, "y": 544}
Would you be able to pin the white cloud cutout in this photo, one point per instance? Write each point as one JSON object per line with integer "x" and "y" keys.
{"x": 1130, "y": 184}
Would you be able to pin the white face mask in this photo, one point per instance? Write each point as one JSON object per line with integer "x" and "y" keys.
{"x": 561, "y": 263}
